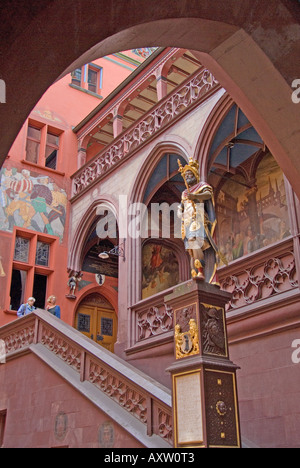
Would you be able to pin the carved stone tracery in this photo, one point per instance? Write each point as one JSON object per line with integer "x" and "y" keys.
{"x": 182, "y": 98}
{"x": 275, "y": 276}
{"x": 119, "y": 390}
{"x": 154, "y": 321}
{"x": 20, "y": 339}
{"x": 63, "y": 349}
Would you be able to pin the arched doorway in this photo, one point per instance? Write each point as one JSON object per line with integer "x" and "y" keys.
{"x": 97, "y": 319}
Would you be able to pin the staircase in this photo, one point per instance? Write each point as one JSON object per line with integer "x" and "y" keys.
{"x": 133, "y": 400}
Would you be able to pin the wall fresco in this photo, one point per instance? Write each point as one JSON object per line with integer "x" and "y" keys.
{"x": 31, "y": 201}
{"x": 254, "y": 216}
{"x": 160, "y": 269}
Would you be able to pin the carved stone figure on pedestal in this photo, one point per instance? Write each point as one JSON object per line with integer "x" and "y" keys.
{"x": 72, "y": 284}
{"x": 198, "y": 217}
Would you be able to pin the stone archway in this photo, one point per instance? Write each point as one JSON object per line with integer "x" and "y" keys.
{"x": 242, "y": 43}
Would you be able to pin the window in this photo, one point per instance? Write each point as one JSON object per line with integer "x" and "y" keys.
{"x": 88, "y": 78}
{"x": 17, "y": 288}
{"x": 2, "y": 426}
{"x": 43, "y": 144}
{"x": 33, "y": 144}
{"x": 42, "y": 254}
{"x": 76, "y": 77}
{"x": 21, "y": 249}
{"x": 39, "y": 290}
{"x": 92, "y": 80}
{"x": 32, "y": 268}
{"x": 52, "y": 148}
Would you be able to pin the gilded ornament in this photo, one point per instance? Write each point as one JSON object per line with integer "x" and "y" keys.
{"x": 187, "y": 343}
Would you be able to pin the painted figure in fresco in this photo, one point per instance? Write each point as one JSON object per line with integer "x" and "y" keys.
{"x": 156, "y": 259}
{"x": 31, "y": 201}
{"x": 41, "y": 198}
{"x": 198, "y": 223}
{"x": 20, "y": 191}
{"x": 58, "y": 206}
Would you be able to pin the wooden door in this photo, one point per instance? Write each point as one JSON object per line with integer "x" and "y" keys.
{"x": 98, "y": 324}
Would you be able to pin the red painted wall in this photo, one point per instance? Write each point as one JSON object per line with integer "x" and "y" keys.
{"x": 61, "y": 107}
{"x": 269, "y": 391}
{"x": 44, "y": 411}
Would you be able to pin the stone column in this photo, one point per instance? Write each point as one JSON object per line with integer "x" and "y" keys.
{"x": 162, "y": 83}
{"x": 205, "y": 402}
{"x": 117, "y": 122}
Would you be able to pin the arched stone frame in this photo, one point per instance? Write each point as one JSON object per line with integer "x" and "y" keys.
{"x": 134, "y": 246}
{"x": 76, "y": 252}
{"x": 253, "y": 65}
{"x": 105, "y": 291}
{"x": 202, "y": 153}
{"x": 76, "y": 246}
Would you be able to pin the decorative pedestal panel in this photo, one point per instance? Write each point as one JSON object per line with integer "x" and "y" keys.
{"x": 205, "y": 402}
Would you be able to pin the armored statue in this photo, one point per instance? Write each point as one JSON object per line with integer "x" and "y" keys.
{"x": 198, "y": 222}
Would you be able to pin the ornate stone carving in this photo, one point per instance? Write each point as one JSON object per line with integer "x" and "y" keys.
{"x": 221, "y": 409}
{"x": 184, "y": 315}
{"x": 276, "y": 275}
{"x": 171, "y": 107}
{"x": 213, "y": 330}
{"x": 19, "y": 339}
{"x": 63, "y": 349}
{"x": 119, "y": 390}
{"x": 165, "y": 425}
{"x": 154, "y": 321}
{"x": 187, "y": 343}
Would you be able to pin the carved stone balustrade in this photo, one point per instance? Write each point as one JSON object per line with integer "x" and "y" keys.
{"x": 151, "y": 318}
{"x": 129, "y": 388}
{"x": 191, "y": 92}
{"x": 259, "y": 284}
{"x": 263, "y": 275}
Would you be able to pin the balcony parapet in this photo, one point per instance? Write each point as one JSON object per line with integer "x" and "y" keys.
{"x": 197, "y": 88}
{"x": 264, "y": 292}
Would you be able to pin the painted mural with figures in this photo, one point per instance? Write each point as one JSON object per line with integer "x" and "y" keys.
{"x": 31, "y": 201}
{"x": 160, "y": 269}
{"x": 250, "y": 218}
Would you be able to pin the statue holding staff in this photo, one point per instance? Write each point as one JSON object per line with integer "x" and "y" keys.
{"x": 198, "y": 222}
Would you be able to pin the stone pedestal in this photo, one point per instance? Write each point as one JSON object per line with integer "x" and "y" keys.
{"x": 205, "y": 403}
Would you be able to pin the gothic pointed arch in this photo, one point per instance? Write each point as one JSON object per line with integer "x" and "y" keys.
{"x": 159, "y": 167}
{"x": 85, "y": 226}
{"x": 249, "y": 186}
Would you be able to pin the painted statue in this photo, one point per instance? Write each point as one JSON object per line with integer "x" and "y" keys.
{"x": 198, "y": 222}
{"x": 73, "y": 282}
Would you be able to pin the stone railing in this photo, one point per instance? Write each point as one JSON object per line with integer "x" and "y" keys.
{"x": 259, "y": 280}
{"x": 152, "y": 317}
{"x": 262, "y": 275}
{"x": 146, "y": 400}
{"x": 198, "y": 86}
